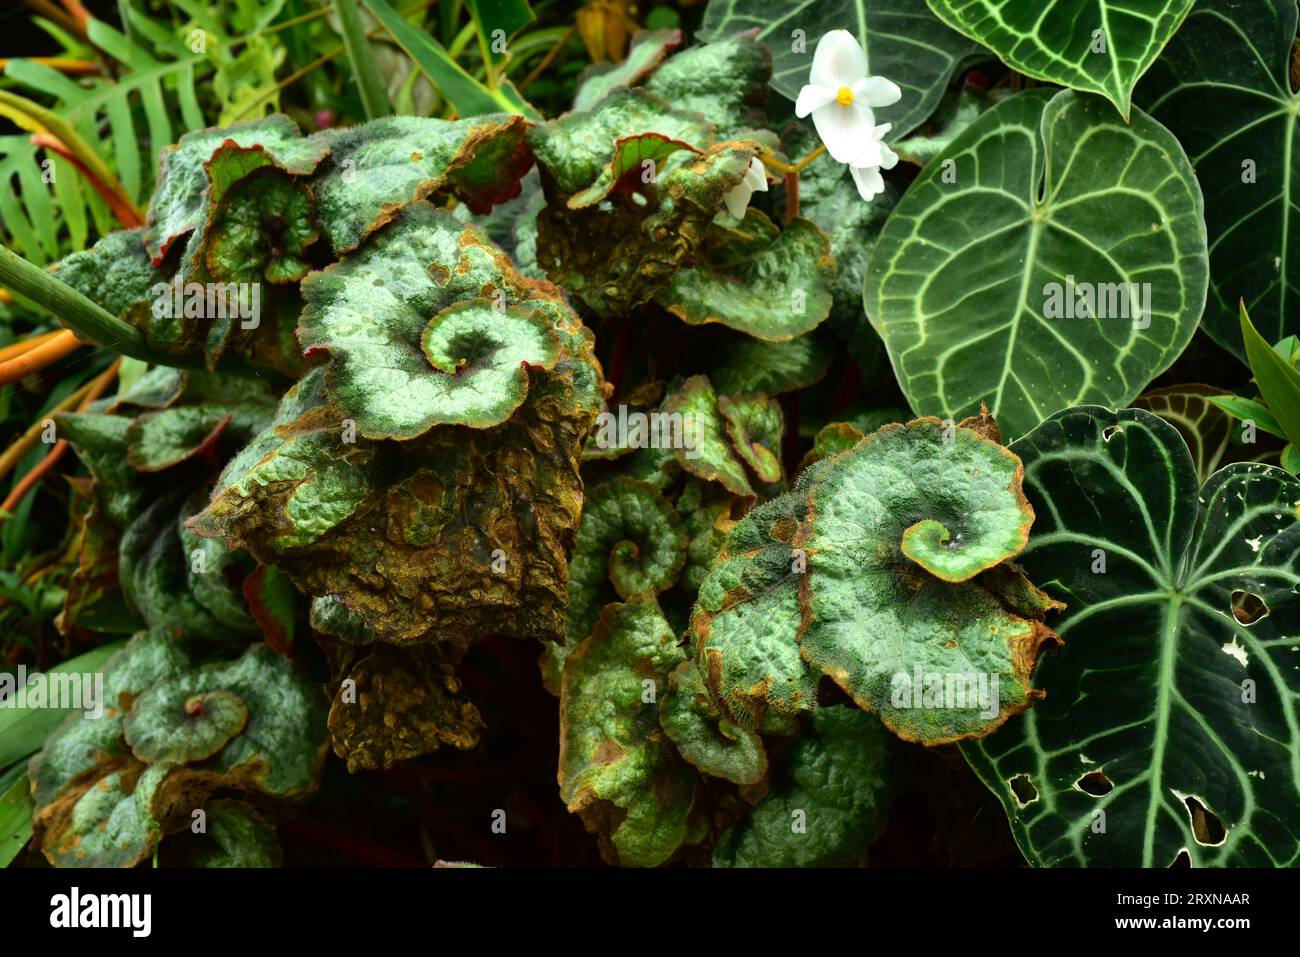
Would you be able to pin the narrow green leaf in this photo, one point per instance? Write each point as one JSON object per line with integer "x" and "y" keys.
{"x": 373, "y": 98}
{"x": 1278, "y": 382}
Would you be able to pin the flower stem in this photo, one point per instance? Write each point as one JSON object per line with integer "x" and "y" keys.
{"x": 791, "y": 196}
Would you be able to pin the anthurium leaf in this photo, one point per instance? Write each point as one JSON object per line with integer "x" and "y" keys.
{"x": 903, "y": 40}
{"x": 752, "y": 365}
{"x": 1050, "y": 303}
{"x": 755, "y": 426}
{"x": 1193, "y": 590}
{"x": 1203, "y": 416}
{"x": 1278, "y": 381}
{"x": 404, "y": 702}
{"x": 708, "y": 454}
{"x": 725, "y": 81}
{"x": 1224, "y": 86}
{"x": 378, "y": 168}
{"x": 1099, "y": 46}
{"x": 177, "y": 203}
{"x": 827, "y": 802}
{"x": 778, "y": 293}
{"x": 617, "y": 769}
{"x": 649, "y": 47}
{"x": 414, "y": 343}
{"x": 169, "y": 723}
{"x": 704, "y": 736}
{"x": 890, "y": 539}
{"x": 162, "y": 439}
{"x": 235, "y": 836}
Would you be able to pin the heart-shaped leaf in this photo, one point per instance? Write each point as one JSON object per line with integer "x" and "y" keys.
{"x": 903, "y": 40}
{"x": 1079, "y": 271}
{"x": 1170, "y": 726}
{"x": 1224, "y": 86}
{"x": 1100, "y": 46}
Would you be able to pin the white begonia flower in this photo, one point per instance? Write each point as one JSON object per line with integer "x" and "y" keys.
{"x": 840, "y": 96}
{"x": 873, "y": 158}
{"x": 754, "y": 181}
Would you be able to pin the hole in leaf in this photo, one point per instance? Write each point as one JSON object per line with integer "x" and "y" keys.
{"x": 1109, "y": 432}
{"x": 1182, "y": 861}
{"x": 1247, "y": 607}
{"x": 1206, "y": 826}
{"x": 1023, "y": 790}
{"x": 1095, "y": 783}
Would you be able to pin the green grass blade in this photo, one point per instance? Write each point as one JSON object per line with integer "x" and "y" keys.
{"x": 357, "y": 45}
{"x": 1279, "y": 383}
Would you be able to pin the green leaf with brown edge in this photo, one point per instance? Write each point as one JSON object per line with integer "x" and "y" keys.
{"x": 446, "y": 538}
{"x": 160, "y": 440}
{"x": 402, "y": 703}
{"x": 706, "y": 513}
{"x": 777, "y": 292}
{"x": 828, "y": 800}
{"x": 724, "y": 81}
{"x": 260, "y": 229}
{"x": 756, "y": 427}
{"x": 649, "y": 47}
{"x": 378, "y": 168}
{"x": 169, "y": 723}
{"x": 709, "y": 454}
{"x": 651, "y": 231}
{"x": 178, "y": 201}
{"x": 108, "y": 823}
{"x": 871, "y": 574}
{"x": 273, "y": 602}
{"x": 235, "y": 836}
{"x": 617, "y": 769}
{"x": 704, "y": 736}
{"x": 578, "y": 150}
{"x": 772, "y": 368}
{"x": 637, "y": 160}
{"x": 427, "y": 325}
{"x": 748, "y": 614}
{"x": 101, "y": 442}
{"x": 115, "y": 273}
{"x": 832, "y": 439}
{"x": 630, "y": 542}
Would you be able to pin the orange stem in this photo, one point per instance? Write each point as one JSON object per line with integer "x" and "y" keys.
{"x": 34, "y": 360}
{"x": 122, "y": 207}
{"x": 79, "y": 13}
{"x": 46, "y": 465}
{"x": 11, "y": 456}
{"x": 15, "y": 349}
{"x": 61, "y": 63}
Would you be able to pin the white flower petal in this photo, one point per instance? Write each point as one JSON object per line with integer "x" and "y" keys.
{"x": 877, "y": 91}
{"x": 737, "y": 198}
{"x": 812, "y": 97}
{"x": 889, "y": 159}
{"x": 846, "y": 130}
{"x": 838, "y": 61}
{"x": 868, "y": 180}
{"x": 870, "y": 155}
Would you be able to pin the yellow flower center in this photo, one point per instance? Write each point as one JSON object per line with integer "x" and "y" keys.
{"x": 844, "y": 97}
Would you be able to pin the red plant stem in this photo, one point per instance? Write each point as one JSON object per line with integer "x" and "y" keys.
{"x": 122, "y": 208}
{"x": 791, "y": 195}
{"x": 790, "y": 443}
